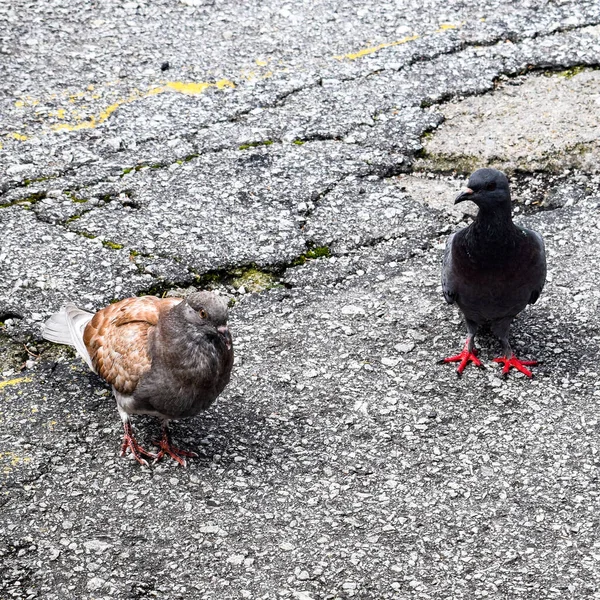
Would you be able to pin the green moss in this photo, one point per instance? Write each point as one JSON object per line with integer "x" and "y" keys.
{"x": 35, "y": 180}
{"x": 26, "y": 202}
{"x": 318, "y": 252}
{"x": 312, "y": 254}
{"x": 442, "y": 163}
{"x": 14, "y": 355}
{"x": 255, "y": 144}
{"x": 570, "y": 73}
{"x": 254, "y": 280}
{"x": 251, "y": 277}
{"x": 580, "y": 148}
{"x": 128, "y": 170}
{"x": 86, "y": 234}
{"x": 298, "y": 142}
{"x": 33, "y": 198}
{"x": 74, "y": 198}
{"x": 73, "y": 218}
{"x": 112, "y": 245}
{"x": 212, "y": 277}
{"x": 133, "y": 253}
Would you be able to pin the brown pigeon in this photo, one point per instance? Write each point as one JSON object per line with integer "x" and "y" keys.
{"x": 166, "y": 357}
{"x": 492, "y": 269}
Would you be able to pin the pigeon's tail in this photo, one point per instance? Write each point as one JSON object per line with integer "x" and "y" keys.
{"x": 66, "y": 327}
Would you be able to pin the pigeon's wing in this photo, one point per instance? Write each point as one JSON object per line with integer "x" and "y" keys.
{"x": 448, "y": 283}
{"x": 539, "y": 264}
{"x": 117, "y": 339}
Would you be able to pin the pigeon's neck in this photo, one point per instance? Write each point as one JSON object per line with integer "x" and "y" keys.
{"x": 176, "y": 331}
{"x": 492, "y": 235}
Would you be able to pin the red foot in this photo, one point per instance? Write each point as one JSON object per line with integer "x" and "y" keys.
{"x": 513, "y": 361}
{"x": 464, "y": 357}
{"x": 175, "y": 453}
{"x": 130, "y": 442}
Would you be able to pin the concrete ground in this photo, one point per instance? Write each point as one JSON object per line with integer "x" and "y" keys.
{"x": 300, "y": 158}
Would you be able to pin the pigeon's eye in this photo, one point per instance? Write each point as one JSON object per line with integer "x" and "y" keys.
{"x": 490, "y": 186}
{"x": 203, "y": 314}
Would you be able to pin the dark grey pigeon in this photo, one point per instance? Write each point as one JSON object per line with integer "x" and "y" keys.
{"x": 492, "y": 269}
{"x": 165, "y": 357}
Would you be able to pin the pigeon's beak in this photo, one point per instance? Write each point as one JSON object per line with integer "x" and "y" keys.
{"x": 225, "y": 335}
{"x": 464, "y": 194}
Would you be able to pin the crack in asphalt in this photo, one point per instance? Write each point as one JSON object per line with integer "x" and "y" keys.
{"x": 281, "y": 102}
{"x": 281, "y": 98}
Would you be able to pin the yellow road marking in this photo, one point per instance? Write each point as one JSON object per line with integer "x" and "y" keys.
{"x": 8, "y": 382}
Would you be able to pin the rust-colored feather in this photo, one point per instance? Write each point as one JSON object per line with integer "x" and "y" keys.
{"x": 117, "y": 339}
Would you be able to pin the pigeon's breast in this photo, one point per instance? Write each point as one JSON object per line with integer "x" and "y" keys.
{"x": 492, "y": 295}
{"x": 186, "y": 376}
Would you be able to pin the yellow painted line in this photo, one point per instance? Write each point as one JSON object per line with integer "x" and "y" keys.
{"x": 411, "y": 38}
{"x": 8, "y": 382}
{"x": 373, "y": 49}
{"x": 181, "y": 87}
{"x": 448, "y": 26}
{"x": 83, "y": 121}
{"x": 18, "y": 136}
{"x": 194, "y": 88}
{"x": 14, "y": 458}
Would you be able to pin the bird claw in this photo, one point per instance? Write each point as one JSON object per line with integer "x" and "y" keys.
{"x": 136, "y": 450}
{"x": 513, "y": 361}
{"x": 177, "y": 454}
{"x": 464, "y": 357}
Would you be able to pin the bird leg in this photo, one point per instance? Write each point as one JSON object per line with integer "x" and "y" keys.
{"x": 510, "y": 360}
{"x": 167, "y": 448}
{"x": 130, "y": 442}
{"x": 468, "y": 353}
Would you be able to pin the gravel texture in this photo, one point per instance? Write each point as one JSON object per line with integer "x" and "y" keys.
{"x": 303, "y": 159}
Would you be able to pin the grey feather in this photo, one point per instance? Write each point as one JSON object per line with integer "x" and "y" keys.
{"x": 448, "y": 284}
{"x": 191, "y": 360}
{"x": 537, "y": 289}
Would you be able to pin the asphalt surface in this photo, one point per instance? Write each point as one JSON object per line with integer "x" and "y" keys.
{"x": 302, "y": 160}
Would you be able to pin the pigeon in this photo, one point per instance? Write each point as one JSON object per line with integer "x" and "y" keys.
{"x": 492, "y": 269}
{"x": 165, "y": 357}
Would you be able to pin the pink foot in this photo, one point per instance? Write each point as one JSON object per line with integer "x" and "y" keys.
{"x": 513, "y": 361}
{"x": 175, "y": 453}
{"x": 130, "y": 442}
{"x": 464, "y": 357}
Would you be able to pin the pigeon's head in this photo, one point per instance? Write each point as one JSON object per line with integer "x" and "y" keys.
{"x": 488, "y": 188}
{"x": 206, "y": 308}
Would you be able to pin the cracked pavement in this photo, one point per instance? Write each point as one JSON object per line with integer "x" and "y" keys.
{"x": 301, "y": 160}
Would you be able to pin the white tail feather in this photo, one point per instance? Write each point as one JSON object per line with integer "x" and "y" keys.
{"x": 66, "y": 327}
{"x": 56, "y": 329}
